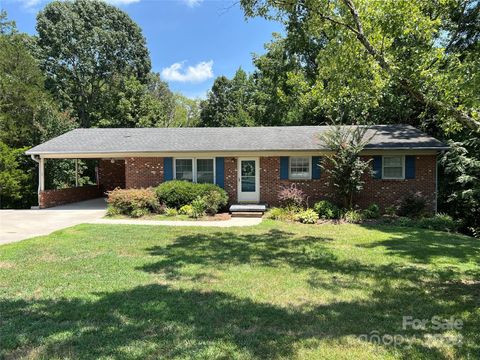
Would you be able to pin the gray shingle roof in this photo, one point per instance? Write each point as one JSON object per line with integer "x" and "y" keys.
{"x": 285, "y": 138}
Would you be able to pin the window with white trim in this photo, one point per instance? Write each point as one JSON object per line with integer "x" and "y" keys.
{"x": 393, "y": 167}
{"x": 299, "y": 168}
{"x": 184, "y": 169}
{"x": 195, "y": 170}
{"x": 205, "y": 171}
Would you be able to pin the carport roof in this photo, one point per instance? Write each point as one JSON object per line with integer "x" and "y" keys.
{"x": 285, "y": 138}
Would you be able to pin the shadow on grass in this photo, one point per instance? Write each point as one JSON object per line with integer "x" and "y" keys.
{"x": 159, "y": 321}
{"x": 424, "y": 246}
{"x": 162, "y": 321}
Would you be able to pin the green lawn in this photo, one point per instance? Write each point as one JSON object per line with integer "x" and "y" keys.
{"x": 271, "y": 291}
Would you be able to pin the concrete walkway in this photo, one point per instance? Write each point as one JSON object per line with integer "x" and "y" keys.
{"x": 220, "y": 223}
{"x": 16, "y": 225}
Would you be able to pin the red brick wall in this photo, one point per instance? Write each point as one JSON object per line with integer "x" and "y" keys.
{"x": 231, "y": 178}
{"x": 111, "y": 175}
{"x": 383, "y": 192}
{"x": 143, "y": 172}
{"x": 49, "y": 198}
{"x": 388, "y": 192}
{"x": 271, "y": 184}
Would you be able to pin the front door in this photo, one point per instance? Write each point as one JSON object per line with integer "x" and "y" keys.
{"x": 248, "y": 180}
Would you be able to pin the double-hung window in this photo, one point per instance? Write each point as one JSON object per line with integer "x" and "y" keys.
{"x": 393, "y": 167}
{"x": 300, "y": 168}
{"x": 195, "y": 170}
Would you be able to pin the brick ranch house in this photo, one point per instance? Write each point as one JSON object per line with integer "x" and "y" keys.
{"x": 252, "y": 164}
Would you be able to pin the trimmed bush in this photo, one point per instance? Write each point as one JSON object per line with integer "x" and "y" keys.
{"x": 133, "y": 202}
{"x": 441, "y": 222}
{"x": 176, "y": 193}
{"x": 412, "y": 206}
{"x": 308, "y": 216}
{"x": 353, "y": 216}
{"x": 326, "y": 210}
{"x": 372, "y": 212}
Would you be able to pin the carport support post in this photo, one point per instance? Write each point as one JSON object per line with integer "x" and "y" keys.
{"x": 41, "y": 175}
{"x": 76, "y": 172}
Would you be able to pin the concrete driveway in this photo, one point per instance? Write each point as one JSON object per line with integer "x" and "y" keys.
{"x": 16, "y": 225}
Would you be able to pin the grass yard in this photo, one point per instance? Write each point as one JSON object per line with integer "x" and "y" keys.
{"x": 271, "y": 291}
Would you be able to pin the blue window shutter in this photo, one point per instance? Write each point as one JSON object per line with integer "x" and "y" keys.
{"x": 167, "y": 169}
{"x": 284, "y": 167}
{"x": 220, "y": 171}
{"x": 377, "y": 167}
{"x": 410, "y": 167}
{"x": 316, "y": 170}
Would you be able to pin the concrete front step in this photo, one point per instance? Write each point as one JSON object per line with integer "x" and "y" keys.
{"x": 248, "y": 210}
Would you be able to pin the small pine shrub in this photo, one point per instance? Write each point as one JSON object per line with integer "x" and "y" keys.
{"x": 185, "y": 210}
{"x": 291, "y": 196}
{"x": 353, "y": 216}
{"x": 372, "y": 212}
{"x": 198, "y": 208}
{"x": 308, "y": 216}
{"x": 412, "y": 205}
{"x": 326, "y": 210}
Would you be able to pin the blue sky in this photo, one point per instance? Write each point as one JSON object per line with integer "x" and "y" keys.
{"x": 190, "y": 41}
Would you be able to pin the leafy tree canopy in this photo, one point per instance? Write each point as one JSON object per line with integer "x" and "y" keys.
{"x": 86, "y": 46}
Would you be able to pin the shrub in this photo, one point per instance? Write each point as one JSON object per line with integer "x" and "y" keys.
{"x": 353, "y": 216}
{"x": 404, "y": 221}
{"x": 136, "y": 213}
{"x": 291, "y": 196}
{"x": 214, "y": 200}
{"x": 441, "y": 222}
{"x": 412, "y": 205}
{"x": 176, "y": 193}
{"x": 390, "y": 210}
{"x": 275, "y": 213}
{"x": 326, "y": 210}
{"x": 372, "y": 212}
{"x": 308, "y": 216}
{"x": 185, "y": 210}
{"x": 198, "y": 208}
{"x": 171, "y": 212}
{"x": 113, "y": 211}
{"x": 126, "y": 201}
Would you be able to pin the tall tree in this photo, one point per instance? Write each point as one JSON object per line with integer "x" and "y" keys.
{"x": 397, "y": 42}
{"x": 229, "y": 103}
{"x": 85, "y": 47}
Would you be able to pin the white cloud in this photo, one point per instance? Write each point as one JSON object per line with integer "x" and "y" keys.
{"x": 198, "y": 73}
{"x": 192, "y": 3}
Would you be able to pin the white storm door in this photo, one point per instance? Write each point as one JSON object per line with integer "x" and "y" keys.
{"x": 248, "y": 180}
